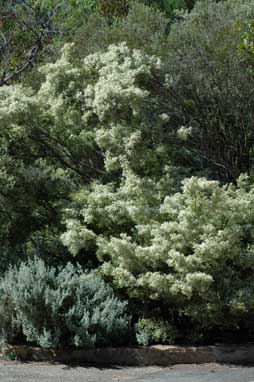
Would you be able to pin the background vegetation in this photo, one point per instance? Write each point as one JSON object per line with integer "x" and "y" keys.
{"x": 126, "y": 171}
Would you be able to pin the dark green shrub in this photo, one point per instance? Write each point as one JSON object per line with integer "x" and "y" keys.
{"x": 113, "y": 8}
{"x": 210, "y": 92}
{"x": 143, "y": 28}
{"x": 53, "y": 307}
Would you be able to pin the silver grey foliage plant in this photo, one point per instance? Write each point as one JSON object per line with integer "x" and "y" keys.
{"x": 53, "y": 307}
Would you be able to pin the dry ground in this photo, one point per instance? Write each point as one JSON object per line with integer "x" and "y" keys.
{"x": 43, "y": 372}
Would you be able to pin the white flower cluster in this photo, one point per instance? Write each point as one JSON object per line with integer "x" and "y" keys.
{"x": 193, "y": 245}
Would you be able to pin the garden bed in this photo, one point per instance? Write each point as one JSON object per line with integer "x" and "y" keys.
{"x": 138, "y": 356}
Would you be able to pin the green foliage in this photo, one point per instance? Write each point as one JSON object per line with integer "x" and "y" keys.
{"x": 33, "y": 30}
{"x": 195, "y": 259}
{"x": 12, "y": 356}
{"x": 58, "y": 307}
{"x": 46, "y": 154}
{"x": 246, "y": 46}
{"x": 52, "y": 140}
{"x": 26, "y": 31}
{"x": 169, "y": 6}
{"x": 208, "y": 89}
{"x": 102, "y": 144}
{"x": 150, "y": 331}
{"x": 38, "y": 164}
{"x": 113, "y": 8}
{"x": 48, "y": 148}
{"x": 201, "y": 91}
{"x": 143, "y": 28}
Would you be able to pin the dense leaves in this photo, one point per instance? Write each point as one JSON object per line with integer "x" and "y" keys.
{"x": 26, "y": 29}
{"x": 131, "y": 150}
{"x": 58, "y": 307}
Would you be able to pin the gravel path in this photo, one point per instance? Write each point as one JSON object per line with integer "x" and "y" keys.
{"x": 42, "y": 372}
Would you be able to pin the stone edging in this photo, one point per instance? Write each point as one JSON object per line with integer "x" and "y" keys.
{"x": 139, "y": 356}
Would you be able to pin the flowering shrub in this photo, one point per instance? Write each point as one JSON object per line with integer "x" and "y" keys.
{"x": 118, "y": 131}
{"x": 191, "y": 261}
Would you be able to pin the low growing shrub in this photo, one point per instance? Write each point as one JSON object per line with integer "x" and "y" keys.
{"x": 53, "y": 307}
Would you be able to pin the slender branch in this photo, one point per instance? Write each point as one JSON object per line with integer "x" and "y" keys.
{"x": 39, "y": 28}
